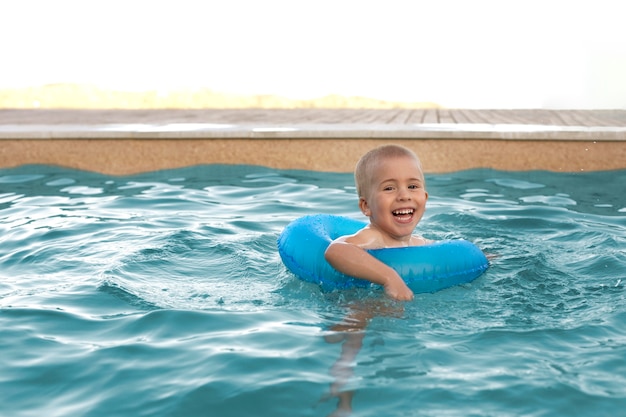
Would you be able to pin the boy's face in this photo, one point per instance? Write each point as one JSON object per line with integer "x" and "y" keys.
{"x": 395, "y": 199}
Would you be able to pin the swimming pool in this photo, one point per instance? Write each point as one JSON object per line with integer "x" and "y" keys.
{"x": 163, "y": 294}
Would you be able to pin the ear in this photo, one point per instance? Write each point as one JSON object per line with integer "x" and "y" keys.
{"x": 364, "y": 207}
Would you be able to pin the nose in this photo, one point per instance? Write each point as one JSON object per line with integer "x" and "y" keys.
{"x": 404, "y": 194}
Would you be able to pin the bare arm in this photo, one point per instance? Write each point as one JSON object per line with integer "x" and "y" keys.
{"x": 354, "y": 261}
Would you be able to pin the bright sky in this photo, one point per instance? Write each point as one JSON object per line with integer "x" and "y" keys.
{"x": 457, "y": 53}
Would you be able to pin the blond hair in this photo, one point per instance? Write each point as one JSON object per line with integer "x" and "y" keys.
{"x": 365, "y": 166}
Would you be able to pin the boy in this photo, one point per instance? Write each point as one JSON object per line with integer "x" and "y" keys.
{"x": 392, "y": 193}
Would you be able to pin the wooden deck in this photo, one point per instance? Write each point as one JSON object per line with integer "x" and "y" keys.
{"x": 583, "y": 118}
{"x": 130, "y": 141}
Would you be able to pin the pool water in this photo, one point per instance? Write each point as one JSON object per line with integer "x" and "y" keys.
{"x": 162, "y": 294}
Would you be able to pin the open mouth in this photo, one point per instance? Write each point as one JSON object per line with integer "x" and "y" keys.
{"x": 403, "y": 212}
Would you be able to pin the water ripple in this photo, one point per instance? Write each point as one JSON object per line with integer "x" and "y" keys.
{"x": 163, "y": 294}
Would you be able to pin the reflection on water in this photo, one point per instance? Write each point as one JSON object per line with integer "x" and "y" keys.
{"x": 350, "y": 332}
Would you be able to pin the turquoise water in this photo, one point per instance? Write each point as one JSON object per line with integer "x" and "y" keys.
{"x": 162, "y": 294}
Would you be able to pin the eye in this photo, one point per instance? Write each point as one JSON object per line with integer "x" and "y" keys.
{"x": 414, "y": 187}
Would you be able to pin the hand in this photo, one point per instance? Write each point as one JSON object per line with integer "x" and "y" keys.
{"x": 397, "y": 289}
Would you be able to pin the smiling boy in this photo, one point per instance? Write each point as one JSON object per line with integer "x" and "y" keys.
{"x": 392, "y": 193}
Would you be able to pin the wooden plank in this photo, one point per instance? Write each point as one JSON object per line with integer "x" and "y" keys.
{"x": 472, "y": 116}
{"x": 399, "y": 116}
{"x": 416, "y": 116}
{"x": 430, "y": 116}
{"x": 458, "y": 116}
{"x": 598, "y": 118}
{"x": 445, "y": 116}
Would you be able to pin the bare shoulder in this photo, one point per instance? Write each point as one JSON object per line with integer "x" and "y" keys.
{"x": 420, "y": 241}
{"x": 366, "y": 238}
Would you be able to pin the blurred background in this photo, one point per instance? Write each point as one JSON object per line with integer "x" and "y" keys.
{"x": 552, "y": 54}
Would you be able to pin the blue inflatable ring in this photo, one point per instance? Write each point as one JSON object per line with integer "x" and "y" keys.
{"x": 426, "y": 268}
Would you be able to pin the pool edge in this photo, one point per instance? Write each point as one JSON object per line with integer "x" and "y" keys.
{"x": 130, "y": 156}
{"x": 123, "y": 142}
